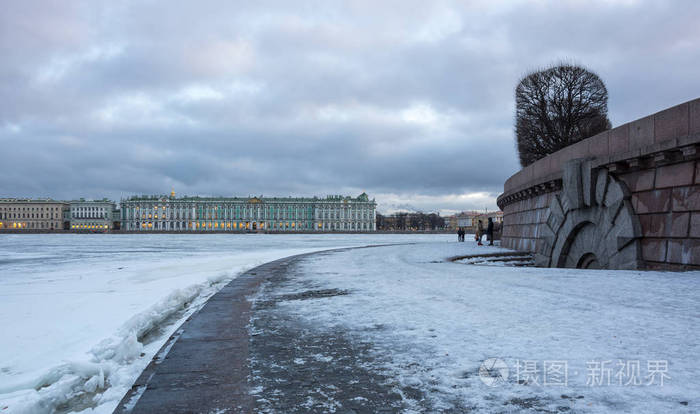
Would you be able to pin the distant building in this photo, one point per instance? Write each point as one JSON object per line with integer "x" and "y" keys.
{"x": 470, "y": 219}
{"x": 496, "y": 216}
{"x": 229, "y": 214}
{"x": 463, "y": 219}
{"x": 410, "y": 222}
{"x": 92, "y": 215}
{"x": 33, "y": 214}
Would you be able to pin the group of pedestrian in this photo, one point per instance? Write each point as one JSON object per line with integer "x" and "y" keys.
{"x": 480, "y": 231}
{"x": 460, "y": 234}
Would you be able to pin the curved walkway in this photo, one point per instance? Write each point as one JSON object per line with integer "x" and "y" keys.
{"x": 214, "y": 359}
{"x": 402, "y": 329}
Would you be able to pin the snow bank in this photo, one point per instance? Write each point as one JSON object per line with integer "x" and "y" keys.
{"x": 113, "y": 364}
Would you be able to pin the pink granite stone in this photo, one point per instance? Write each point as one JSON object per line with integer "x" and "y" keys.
{"x": 656, "y": 201}
{"x": 686, "y": 198}
{"x": 598, "y": 144}
{"x": 654, "y": 250}
{"x": 684, "y": 251}
{"x": 671, "y": 123}
{"x": 619, "y": 139}
{"x": 679, "y": 224}
{"x": 653, "y": 225}
{"x": 579, "y": 149}
{"x": 695, "y": 224}
{"x": 694, "y": 115}
{"x": 675, "y": 175}
{"x": 641, "y": 132}
{"x": 639, "y": 180}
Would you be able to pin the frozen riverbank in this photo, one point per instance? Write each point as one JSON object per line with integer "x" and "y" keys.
{"x": 83, "y": 314}
{"x": 592, "y": 341}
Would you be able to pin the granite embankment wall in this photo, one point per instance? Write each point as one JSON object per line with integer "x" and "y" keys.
{"x": 633, "y": 191}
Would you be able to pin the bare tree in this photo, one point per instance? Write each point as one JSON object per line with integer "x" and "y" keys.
{"x": 557, "y": 107}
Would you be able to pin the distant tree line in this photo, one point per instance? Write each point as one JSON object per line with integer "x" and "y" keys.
{"x": 410, "y": 222}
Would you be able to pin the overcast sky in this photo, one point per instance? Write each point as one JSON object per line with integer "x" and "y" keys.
{"x": 411, "y": 102}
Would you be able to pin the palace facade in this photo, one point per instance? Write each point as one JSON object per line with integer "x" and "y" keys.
{"x": 33, "y": 214}
{"x": 229, "y": 214}
{"x": 93, "y": 215}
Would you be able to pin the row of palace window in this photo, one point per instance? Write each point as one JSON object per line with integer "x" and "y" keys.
{"x": 88, "y": 214}
{"x": 342, "y": 214}
{"x": 237, "y": 214}
{"x": 90, "y": 226}
{"x": 30, "y": 225}
{"x": 5, "y": 215}
{"x": 231, "y": 213}
{"x": 29, "y": 208}
{"x": 226, "y": 225}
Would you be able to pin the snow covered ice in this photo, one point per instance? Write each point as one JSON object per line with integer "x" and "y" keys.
{"x": 589, "y": 341}
{"x": 82, "y": 315}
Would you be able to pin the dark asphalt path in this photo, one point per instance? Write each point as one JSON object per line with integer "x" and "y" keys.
{"x": 214, "y": 364}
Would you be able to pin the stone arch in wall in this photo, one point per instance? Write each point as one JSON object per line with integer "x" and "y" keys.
{"x": 590, "y": 223}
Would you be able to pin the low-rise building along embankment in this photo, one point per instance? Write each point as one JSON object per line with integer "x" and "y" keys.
{"x": 31, "y": 215}
{"x": 627, "y": 198}
{"x": 93, "y": 215}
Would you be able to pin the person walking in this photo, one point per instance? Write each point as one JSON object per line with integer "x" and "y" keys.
{"x": 459, "y": 234}
{"x": 479, "y": 233}
{"x": 489, "y": 231}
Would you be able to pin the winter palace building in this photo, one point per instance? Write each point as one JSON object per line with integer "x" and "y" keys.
{"x": 333, "y": 213}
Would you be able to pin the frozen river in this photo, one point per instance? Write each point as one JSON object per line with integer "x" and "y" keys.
{"x": 81, "y": 315}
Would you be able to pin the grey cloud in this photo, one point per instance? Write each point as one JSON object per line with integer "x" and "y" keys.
{"x": 407, "y": 100}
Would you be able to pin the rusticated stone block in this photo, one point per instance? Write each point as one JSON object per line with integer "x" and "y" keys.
{"x": 539, "y": 245}
{"x": 614, "y": 195}
{"x": 579, "y": 150}
{"x": 675, "y": 175}
{"x": 530, "y": 245}
{"x": 601, "y": 186}
{"x": 654, "y": 225}
{"x": 527, "y": 175}
{"x": 694, "y": 115}
{"x": 654, "y": 250}
{"x": 572, "y": 193}
{"x": 639, "y": 180}
{"x": 541, "y": 167}
{"x": 641, "y": 132}
{"x": 619, "y": 140}
{"x": 679, "y": 224}
{"x": 671, "y": 123}
{"x": 685, "y": 251}
{"x": 655, "y": 201}
{"x": 588, "y": 183}
{"x": 695, "y": 225}
{"x": 686, "y": 198}
{"x": 598, "y": 144}
{"x": 542, "y": 201}
{"x": 557, "y": 161}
